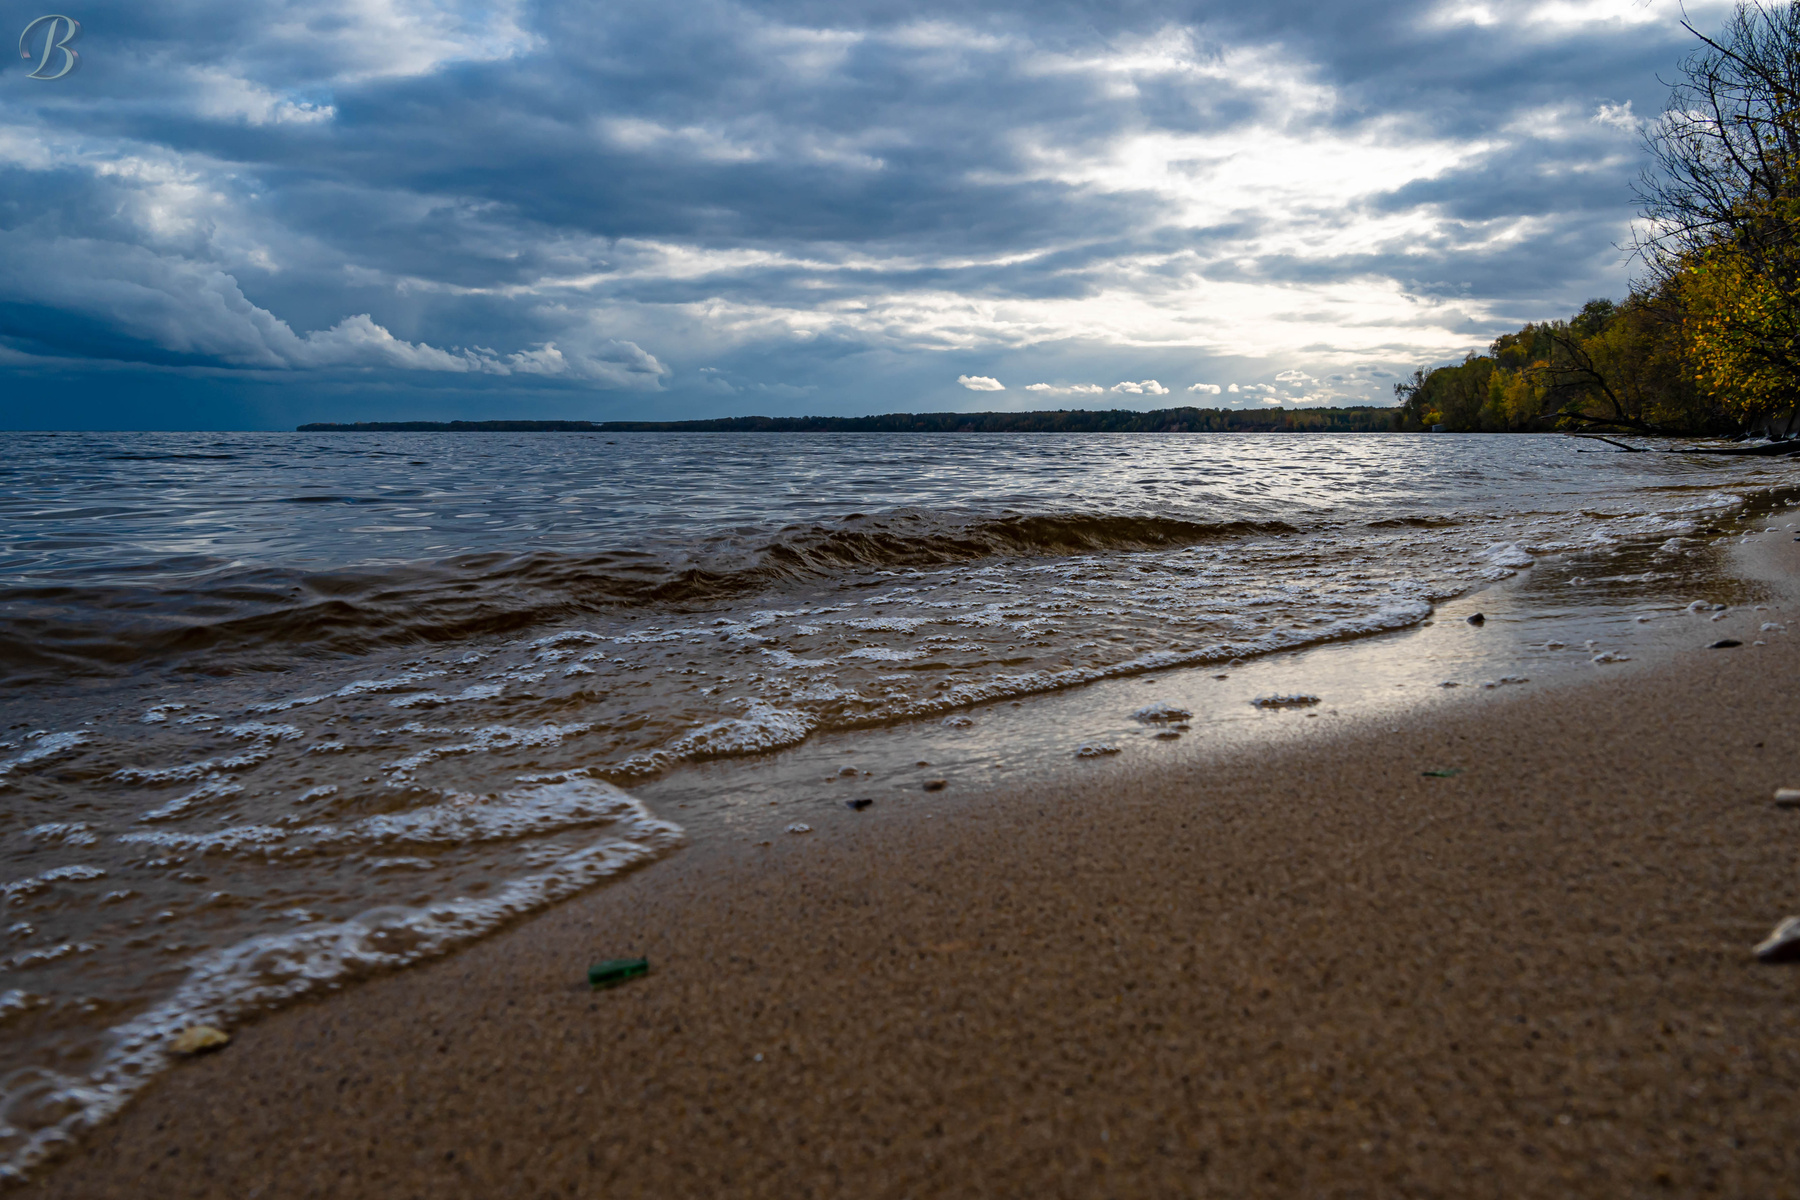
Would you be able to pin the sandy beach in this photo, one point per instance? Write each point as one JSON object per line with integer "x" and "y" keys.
{"x": 1320, "y": 972}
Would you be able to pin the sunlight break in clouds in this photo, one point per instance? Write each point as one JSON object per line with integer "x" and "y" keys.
{"x": 490, "y": 209}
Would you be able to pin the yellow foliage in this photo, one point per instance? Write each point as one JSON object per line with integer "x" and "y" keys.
{"x": 1743, "y": 332}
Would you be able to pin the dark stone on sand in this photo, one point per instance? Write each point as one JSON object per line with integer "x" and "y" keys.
{"x": 1477, "y": 619}
{"x": 1724, "y": 644}
{"x": 859, "y": 804}
{"x": 936, "y": 785}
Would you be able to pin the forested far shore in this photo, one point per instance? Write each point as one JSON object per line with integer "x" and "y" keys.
{"x": 1633, "y": 367}
{"x": 1370, "y": 419}
{"x": 1708, "y": 341}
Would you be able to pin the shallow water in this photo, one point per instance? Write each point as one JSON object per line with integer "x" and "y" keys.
{"x": 288, "y": 708}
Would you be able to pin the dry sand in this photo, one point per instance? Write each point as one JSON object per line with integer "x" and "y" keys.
{"x": 1318, "y": 974}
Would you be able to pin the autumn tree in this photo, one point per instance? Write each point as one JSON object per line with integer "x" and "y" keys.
{"x": 1721, "y": 208}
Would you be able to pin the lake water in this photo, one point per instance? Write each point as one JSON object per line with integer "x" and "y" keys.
{"x": 285, "y": 709}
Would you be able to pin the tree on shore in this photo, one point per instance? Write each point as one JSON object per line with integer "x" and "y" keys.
{"x": 1721, "y": 207}
{"x": 1708, "y": 341}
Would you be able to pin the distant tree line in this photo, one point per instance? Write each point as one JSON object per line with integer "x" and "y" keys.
{"x": 1167, "y": 420}
{"x": 1708, "y": 341}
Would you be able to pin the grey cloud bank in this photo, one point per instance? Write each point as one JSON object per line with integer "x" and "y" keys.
{"x": 257, "y": 214}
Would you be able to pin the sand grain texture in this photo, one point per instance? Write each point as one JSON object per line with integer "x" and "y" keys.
{"x": 1319, "y": 975}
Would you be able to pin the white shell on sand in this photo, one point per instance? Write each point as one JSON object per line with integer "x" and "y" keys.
{"x": 1784, "y": 944}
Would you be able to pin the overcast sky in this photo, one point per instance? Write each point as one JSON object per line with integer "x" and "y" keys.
{"x": 251, "y": 213}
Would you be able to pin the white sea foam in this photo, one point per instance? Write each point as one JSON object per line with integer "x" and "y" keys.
{"x": 464, "y": 820}
{"x": 68, "y": 833}
{"x": 476, "y": 691}
{"x": 188, "y": 772}
{"x": 212, "y": 789}
{"x": 882, "y": 654}
{"x": 566, "y": 637}
{"x": 43, "y": 746}
{"x": 1508, "y": 556}
{"x": 260, "y": 731}
{"x": 360, "y": 687}
{"x": 487, "y": 739}
{"x": 258, "y": 973}
{"x": 77, "y": 873}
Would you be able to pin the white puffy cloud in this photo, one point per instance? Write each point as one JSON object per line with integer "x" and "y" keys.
{"x": 1294, "y": 378}
{"x": 981, "y": 383}
{"x": 1619, "y": 116}
{"x": 1211, "y": 389}
{"x": 1232, "y": 388}
{"x": 1148, "y": 387}
{"x": 1073, "y": 389}
{"x": 192, "y": 310}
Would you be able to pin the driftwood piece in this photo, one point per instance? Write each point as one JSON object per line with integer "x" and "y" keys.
{"x": 1621, "y": 445}
{"x": 1759, "y": 450}
{"x": 1764, "y": 450}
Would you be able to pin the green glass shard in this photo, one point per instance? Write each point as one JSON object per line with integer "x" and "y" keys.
{"x": 615, "y": 971}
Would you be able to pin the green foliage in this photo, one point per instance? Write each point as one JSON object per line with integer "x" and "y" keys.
{"x": 1621, "y": 366}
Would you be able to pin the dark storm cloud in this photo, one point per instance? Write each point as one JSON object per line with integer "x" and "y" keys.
{"x": 609, "y": 197}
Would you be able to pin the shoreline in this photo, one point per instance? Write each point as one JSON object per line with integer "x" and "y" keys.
{"x": 1042, "y": 928}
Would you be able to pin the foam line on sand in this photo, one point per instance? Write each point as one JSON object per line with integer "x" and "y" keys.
{"x": 1319, "y": 973}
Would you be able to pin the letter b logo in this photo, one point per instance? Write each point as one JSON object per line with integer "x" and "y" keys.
{"x": 58, "y": 31}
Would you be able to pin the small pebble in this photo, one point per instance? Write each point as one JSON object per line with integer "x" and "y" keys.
{"x": 858, "y": 804}
{"x": 1724, "y": 644}
{"x": 198, "y": 1039}
{"x": 1787, "y": 797}
{"x": 799, "y": 827}
{"x": 936, "y": 785}
{"x": 1477, "y": 619}
{"x": 1297, "y": 700}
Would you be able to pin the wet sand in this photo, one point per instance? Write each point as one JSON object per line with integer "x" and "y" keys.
{"x": 1315, "y": 972}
